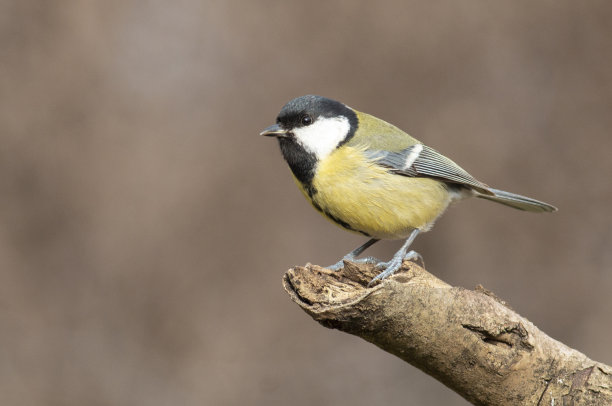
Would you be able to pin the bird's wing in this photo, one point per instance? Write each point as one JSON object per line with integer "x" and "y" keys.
{"x": 419, "y": 160}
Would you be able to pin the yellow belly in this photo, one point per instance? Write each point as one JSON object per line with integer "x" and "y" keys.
{"x": 371, "y": 200}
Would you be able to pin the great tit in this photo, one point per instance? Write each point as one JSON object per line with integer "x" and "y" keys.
{"x": 370, "y": 177}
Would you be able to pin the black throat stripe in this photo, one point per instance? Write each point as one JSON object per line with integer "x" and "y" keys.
{"x": 301, "y": 162}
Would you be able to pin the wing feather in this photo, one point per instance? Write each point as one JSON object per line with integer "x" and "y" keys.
{"x": 422, "y": 161}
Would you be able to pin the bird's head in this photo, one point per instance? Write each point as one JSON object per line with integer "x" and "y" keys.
{"x": 317, "y": 124}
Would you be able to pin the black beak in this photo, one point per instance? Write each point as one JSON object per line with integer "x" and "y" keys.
{"x": 275, "y": 130}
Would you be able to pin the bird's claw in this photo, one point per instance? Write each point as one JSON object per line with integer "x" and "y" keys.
{"x": 394, "y": 265}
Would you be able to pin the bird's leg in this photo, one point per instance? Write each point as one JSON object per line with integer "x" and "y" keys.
{"x": 352, "y": 256}
{"x": 396, "y": 262}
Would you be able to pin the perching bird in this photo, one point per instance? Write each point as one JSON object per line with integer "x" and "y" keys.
{"x": 370, "y": 177}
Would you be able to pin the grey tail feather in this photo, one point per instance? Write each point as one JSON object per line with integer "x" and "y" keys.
{"x": 517, "y": 201}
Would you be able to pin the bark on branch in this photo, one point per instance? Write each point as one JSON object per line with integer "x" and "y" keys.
{"x": 469, "y": 340}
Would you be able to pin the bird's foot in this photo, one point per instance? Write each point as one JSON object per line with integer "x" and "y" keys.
{"x": 394, "y": 264}
{"x": 340, "y": 264}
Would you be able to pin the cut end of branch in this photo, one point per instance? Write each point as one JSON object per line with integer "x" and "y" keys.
{"x": 318, "y": 289}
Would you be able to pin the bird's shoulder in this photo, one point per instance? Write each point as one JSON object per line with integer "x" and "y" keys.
{"x": 374, "y": 133}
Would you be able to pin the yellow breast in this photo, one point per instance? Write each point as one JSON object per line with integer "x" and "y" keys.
{"x": 368, "y": 198}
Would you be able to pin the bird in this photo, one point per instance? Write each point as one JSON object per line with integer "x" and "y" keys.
{"x": 370, "y": 177}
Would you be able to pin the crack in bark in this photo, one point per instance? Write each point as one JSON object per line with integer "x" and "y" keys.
{"x": 579, "y": 381}
{"x": 544, "y": 391}
{"x": 508, "y": 336}
{"x": 548, "y": 381}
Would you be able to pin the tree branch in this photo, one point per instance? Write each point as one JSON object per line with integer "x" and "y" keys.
{"x": 471, "y": 341}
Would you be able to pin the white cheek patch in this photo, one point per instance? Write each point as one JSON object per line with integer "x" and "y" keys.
{"x": 324, "y": 135}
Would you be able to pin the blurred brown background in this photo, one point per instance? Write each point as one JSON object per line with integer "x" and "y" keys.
{"x": 145, "y": 225}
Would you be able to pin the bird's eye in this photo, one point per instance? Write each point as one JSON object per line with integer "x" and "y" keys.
{"x": 306, "y": 120}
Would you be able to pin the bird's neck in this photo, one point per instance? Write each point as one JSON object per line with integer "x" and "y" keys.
{"x": 301, "y": 161}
